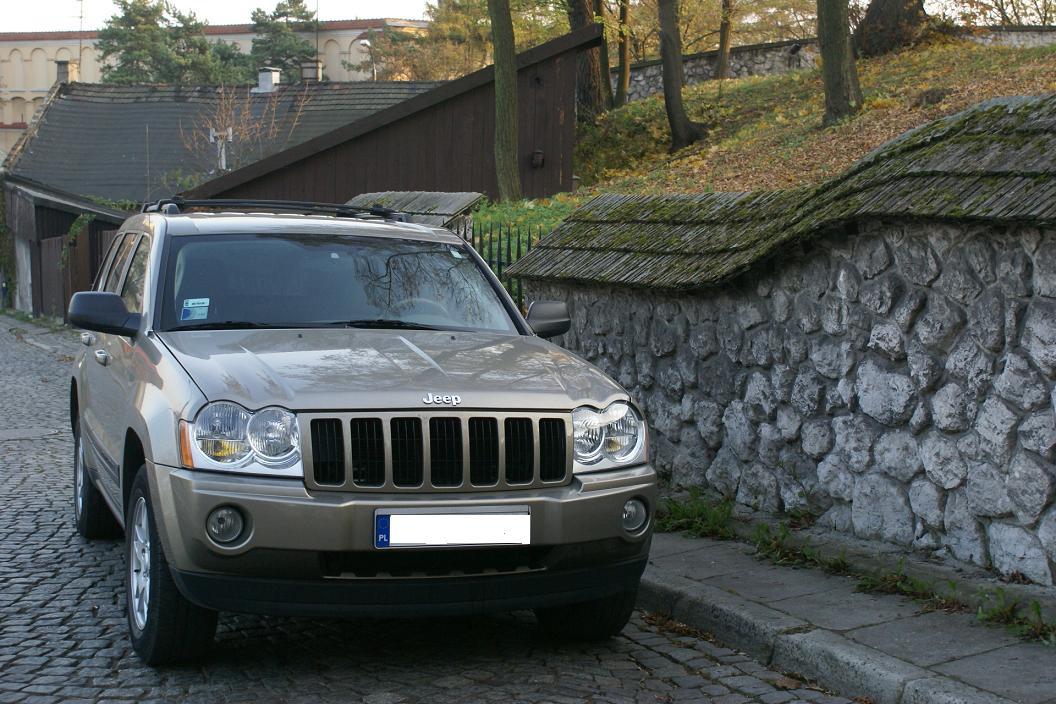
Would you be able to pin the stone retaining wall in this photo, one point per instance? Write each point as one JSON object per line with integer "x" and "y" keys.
{"x": 751, "y": 60}
{"x": 782, "y": 57}
{"x": 898, "y": 379}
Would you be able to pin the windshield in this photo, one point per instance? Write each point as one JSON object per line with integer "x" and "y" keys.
{"x": 246, "y": 281}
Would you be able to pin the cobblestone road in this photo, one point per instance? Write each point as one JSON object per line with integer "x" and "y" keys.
{"x": 62, "y": 625}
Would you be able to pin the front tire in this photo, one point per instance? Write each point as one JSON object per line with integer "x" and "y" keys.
{"x": 595, "y": 620}
{"x": 91, "y": 515}
{"x": 164, "y": 626}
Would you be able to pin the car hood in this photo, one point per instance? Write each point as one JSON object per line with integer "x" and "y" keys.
{"x": 353, "y": 369}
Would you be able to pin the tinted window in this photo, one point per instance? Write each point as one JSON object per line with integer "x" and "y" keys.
{"x": 113, "y": 279}
{"x": 328, "y": 280}
{"x": 137, "y": 271}
{"x": 108, "y": 260}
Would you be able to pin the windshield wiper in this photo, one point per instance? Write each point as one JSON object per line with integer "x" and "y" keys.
{"x": 389, "y": 323}
{"x": 233, "y": 325}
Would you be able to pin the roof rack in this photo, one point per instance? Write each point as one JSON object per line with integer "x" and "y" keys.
{"x": 176, "y": 205}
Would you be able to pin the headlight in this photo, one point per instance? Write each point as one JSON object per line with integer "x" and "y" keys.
{"x": 273, "y": 433}
{"x": 227, "y": 436}
{"x": 220, "y": 432}
{"x": 616, "y": 434}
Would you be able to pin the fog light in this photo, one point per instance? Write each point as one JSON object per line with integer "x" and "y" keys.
{"x": 224, "y": 524}
{"x": 635, "y": 514}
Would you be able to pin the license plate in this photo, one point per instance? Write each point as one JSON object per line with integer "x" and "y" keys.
{"x": 419, "y": 528}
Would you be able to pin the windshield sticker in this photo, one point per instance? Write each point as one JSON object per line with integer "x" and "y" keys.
{"x": 456, "y": 254}
{"x": 195, "y": 309}
{"x": 194, "y": 314}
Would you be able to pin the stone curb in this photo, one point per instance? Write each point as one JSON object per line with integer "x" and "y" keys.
{"x": 737, "y": 622}
{"x": 788, "y": 644}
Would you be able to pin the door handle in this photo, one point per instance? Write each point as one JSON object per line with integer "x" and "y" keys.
{"x": 103, "y": 357}
{"x": 87, "y": 339}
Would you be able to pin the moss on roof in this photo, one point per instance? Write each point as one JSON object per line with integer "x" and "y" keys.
{"x": 993, "y": 162}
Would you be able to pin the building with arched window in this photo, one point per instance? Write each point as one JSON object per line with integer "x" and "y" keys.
{"x": 32, "y": 62}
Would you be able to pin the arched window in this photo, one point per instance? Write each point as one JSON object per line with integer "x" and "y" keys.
{"x": 38, "y": 72}
{"x": 15, "y": 71}
{"x": 332, "y": 67}
{"x": 19, "y": 112}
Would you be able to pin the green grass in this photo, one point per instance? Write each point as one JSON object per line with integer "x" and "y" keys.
{"x": 698, "y": 516}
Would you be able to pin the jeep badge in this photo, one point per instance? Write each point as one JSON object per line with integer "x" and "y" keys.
{"x": 442, "y": 400}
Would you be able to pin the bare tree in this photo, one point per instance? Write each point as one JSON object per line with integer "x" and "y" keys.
{"x": 722, "y": 65}
{"x": 889, "y": 25}
{"x": 236, "y": 128}
{"x": 843, "y": 96}
{"x": 683, "y": 130}
{"x": 623, "y": 75}
{"x": 507, "y": 161}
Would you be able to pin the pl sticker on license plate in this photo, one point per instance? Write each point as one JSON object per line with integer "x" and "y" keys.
{"x": 485, "y": 525}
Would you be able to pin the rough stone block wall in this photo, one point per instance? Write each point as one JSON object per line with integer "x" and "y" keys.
{"x": 756, "y": 60}
{"x": 782, "y": 57}
{"x": 898, "y": 379}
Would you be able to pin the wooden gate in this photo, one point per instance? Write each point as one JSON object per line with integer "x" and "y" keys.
{"x": 52, "y": 277}
{"x": 64, "y": 273}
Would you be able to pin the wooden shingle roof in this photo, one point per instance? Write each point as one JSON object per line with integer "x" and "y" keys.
{"x": 993, "y": 162}
{"x": 425, "y": 207}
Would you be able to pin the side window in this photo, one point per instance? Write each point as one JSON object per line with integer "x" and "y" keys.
{"x": 108, "y": 261}
{"x": 117, "y": 269}
{"x": 137, "y": 271}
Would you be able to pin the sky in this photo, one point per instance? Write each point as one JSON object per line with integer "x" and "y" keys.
{"x": 53, "y": 15}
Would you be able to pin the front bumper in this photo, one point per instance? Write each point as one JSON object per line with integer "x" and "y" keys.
{"x": 310, "y": 552}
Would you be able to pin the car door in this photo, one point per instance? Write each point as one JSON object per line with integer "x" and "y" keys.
{"x": 91, "y": 372}
{"x": 107, "y": 414}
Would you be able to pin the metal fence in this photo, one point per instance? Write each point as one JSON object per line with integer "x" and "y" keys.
{"x": 501, "y": 245}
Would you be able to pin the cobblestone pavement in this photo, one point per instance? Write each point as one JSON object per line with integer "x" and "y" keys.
{"x": 62, "y": 624}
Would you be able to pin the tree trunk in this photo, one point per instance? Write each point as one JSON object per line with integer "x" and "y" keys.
{"x": 843, "y": 96}
{"x": 722, "y": 65}
{"x": 507, "y": 162}
{"x": 593, "y": 91}
{"x": 683, "y": 131}
{"x": 623, "y": 75}
{"x": 603, "y": 56}
{"x": 889, "y": 25}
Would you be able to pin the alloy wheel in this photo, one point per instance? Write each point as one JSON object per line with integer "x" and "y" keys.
{"x": 139, "y": 565}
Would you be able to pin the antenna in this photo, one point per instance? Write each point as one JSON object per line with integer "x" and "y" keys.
{"x": 147, "y": 126}
{"x": 80, "y": 37}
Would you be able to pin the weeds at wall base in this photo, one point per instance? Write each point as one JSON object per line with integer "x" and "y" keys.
{"x": 699, "y": 516}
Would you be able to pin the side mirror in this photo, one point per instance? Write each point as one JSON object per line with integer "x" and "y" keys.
{"x": 102, "y": 312}
{"x": 549, "y": 318}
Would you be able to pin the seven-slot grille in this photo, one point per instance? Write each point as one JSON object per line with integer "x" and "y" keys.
{"x": 462, "y": 451}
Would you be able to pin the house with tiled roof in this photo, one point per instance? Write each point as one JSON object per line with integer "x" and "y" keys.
{"x": 32, "y": 62}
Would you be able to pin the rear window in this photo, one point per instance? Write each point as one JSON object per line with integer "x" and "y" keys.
{"x": 327, "y": 281}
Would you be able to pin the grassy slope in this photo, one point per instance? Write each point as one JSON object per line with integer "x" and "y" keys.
{"x": 769, "y": 135}
{"x": 768, "y": 132}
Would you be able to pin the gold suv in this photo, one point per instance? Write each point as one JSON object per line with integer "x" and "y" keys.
{"x": 315, "y": 410}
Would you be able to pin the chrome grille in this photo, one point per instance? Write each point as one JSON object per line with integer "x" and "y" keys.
{"x": 520, "y": 451}
{"x": 328, "y": 451}
{"x": 408, "y": 469}
{"x": 454, "y": 451}
{"x": 367, "y": 449}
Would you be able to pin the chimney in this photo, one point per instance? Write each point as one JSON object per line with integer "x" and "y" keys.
{"x": 311, "y": 71}
{"x": 268, "y": 80}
